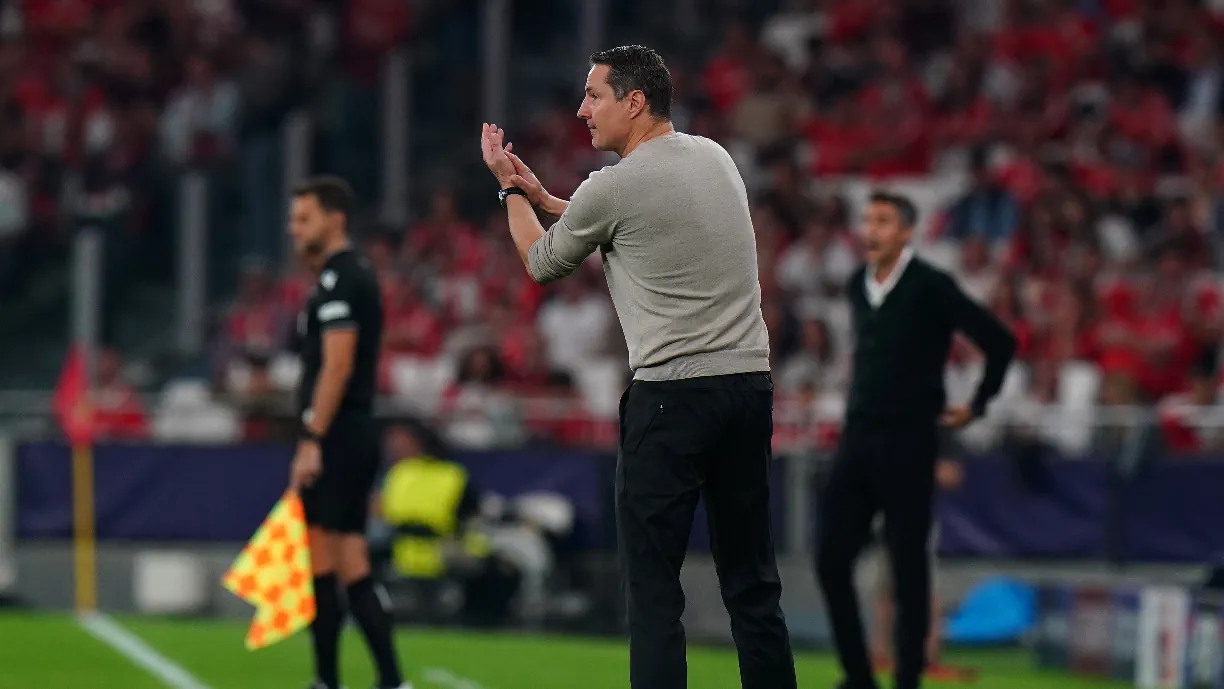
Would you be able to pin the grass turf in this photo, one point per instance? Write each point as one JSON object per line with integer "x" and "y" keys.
{"x": 51, "y": 652}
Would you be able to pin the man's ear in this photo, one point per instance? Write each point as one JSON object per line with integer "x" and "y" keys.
{"x": 637, "y": 104}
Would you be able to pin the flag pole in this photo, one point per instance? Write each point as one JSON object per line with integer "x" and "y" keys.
{"x": 84, "y": 535}
{"x": 86, "y": 313}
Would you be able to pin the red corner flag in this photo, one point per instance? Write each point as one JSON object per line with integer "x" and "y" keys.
{"x": 71, "y": 404}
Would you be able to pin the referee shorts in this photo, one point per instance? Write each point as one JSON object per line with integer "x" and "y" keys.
{"x": 339, "y": 499}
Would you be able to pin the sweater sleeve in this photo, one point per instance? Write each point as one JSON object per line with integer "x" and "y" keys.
{"x": 586, "y": 224}
{"x": 985, "y": 330}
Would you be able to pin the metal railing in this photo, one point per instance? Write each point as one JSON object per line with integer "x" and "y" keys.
{"x": 798, "y": 426}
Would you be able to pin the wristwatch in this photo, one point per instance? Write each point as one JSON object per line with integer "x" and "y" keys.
{"x": 304, "y": 431}
{"x": 507, "y": 192}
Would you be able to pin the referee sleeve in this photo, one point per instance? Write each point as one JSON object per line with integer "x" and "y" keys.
{"x": 586, "y": 225}
{"x": 339, "y": 304}
{"x": 989, "y": 334}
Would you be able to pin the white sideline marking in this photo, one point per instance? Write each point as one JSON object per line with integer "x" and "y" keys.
{"x": 444, "y": 677}
{"x": 129, "y": 646}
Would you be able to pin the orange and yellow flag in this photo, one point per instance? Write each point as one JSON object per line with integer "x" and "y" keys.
{"x": 273, "y": 574}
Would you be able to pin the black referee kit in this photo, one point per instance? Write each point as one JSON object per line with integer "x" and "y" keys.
{"x": 347, "y": 295}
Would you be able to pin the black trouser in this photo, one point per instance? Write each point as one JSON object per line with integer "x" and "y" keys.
{"x": 887, "y": 468}
{"x": 681, "y": 440}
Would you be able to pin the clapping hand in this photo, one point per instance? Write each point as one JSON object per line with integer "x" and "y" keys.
{"x": 526, "y": 180}
{"x": 497, "y": 154}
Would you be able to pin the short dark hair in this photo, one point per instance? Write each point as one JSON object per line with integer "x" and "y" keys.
{"x": 333, "y": 194}
{"x": 637, "y": 68}
{"x": 901, "y": 203}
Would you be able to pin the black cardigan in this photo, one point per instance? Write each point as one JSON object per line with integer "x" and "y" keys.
{"x": 901, "y": 347}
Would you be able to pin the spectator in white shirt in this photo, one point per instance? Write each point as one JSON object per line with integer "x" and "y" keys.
{"x": 576, "y": 324}
{"x": 199, "y": 123}
{"x": 821, "y": 255}
{"x": 814, "y": 362}
{"x": 977, "y": 277}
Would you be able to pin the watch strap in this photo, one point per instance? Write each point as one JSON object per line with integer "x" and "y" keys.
{"x": 508, "y": 192}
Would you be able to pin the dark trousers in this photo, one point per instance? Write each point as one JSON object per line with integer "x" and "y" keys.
{"x": 889, "y": 469}
{"x": 681, "y": 440}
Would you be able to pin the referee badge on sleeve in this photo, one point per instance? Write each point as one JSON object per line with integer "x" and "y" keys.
{"x": 328, "y": 279}
{"x": 333, "y": 311}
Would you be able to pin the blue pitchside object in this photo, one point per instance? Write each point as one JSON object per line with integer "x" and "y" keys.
{"x": 999, "y": 610}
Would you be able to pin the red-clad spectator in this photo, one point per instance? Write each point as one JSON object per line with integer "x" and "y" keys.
{"x": 898, "y": 86}
{"x": 505, "y": 280}
{"x": 1041, "y": 243}
{"x": 1071, "y": 331}
{"x": 1142, "y": 114}
{"x": 838, "y": 139}
{"x": 293, "y": 289}
{"x": 257, "y": 320}
{"x": 1117, "y": 332}
{"x": 1029, "y": 33}
{"x": 54, "y": 26}
{"x": 518, "y": 343}
{"x": 1005, "y": 302}
{"x": 372, "y": 29}
{"x": 1022, "y": 176}
{"x": 962, "y": 116}
{"x": 527, "y": 360}
{"x": 443, "y": 237}
{"x": 727, "y": 77}
{"x": 560, "y": 414}
{"x": 1117, "y": 10}
{"x": 412, "y": 327}
{"x": 1161, "y": 346}
{"x": 852, "y": 19}
{"x": 1191, "y": 421}
{"x": 895, "y": 107}
{"x": 59, "y": 121}
{"x": 1181, "y": 235}
{"x": 1095, "y": 176}
{"x": 904, "y": 148}
{"x": 118, "y": 413}
{"x": 380, "y": 252}
{"x": 1204, "y": 308}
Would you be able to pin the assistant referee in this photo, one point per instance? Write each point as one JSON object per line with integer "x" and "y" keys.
{"x": 339, "y": 332}
{"x": 671, "y": 223}
{"x": 905, "y": 313}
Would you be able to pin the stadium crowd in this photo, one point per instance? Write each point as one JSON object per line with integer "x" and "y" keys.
{"x": 1067, "y": 155}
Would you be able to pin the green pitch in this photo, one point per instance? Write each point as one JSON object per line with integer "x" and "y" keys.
{"x": 52, "y": 652}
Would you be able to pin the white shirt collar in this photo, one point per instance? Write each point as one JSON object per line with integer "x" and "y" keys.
{"x": 877, "y": 291}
